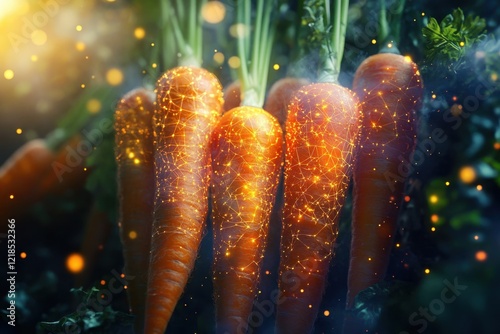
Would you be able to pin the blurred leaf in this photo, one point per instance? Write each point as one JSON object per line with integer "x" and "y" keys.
{"x": 472, "y": 217}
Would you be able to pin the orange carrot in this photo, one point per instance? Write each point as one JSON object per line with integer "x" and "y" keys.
{"x": 232, "y": 96}
{"x": 246, "y": 162}
{"x": 135, "y": 161}
{"x": 189, "y": 103}
{"x": 390, "y": 89}
{"x": 279, "y": 96}
{"x": 321, "y": 134}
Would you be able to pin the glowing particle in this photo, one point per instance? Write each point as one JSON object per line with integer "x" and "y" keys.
{"x": 408, "y": 59}
{"x": 447, "y": 183}
{"x": 310, "y": 306}
{"x": 434, "y": 218}
{"x": 407, "y": 198}
{"x": 481, "y": 256}
{"x": 476, "y": 237}
{"x": 456, "y": 109}
{"x": 19, "y": 131}
{"x": 433, "y": 96}
{"x": 238, "y": 30}
{"x": 496, "y": 146}
{"x": 80, "y": 46}
{"x": 389, "y": 45}
{"x": 154, "y": 65}
{"x": 75, "y": 263}
{"x": 132, "y": 235}
{"x": 39, "y": 37}
{"x": 11, "y": 196}
{"x": 433, "y": 229}
{"x": 462, "y": 43}
{"x": 34, "y": 58}
{"x": 23, "y": 255}
{"x": 219, "y": 58}
{"x": 131, "y": 155}
{"x": 78, "y": 28}
{"x": 267, "y": 272}
{"x": 234, "y": 62}
{"x": 8, "y": 74}
{"x": 423, "y": 14}
{"x": 103, "y": 282}
{"x": 276, "y": 67}
{"x": 479, "y": 187}
{"x": 326, "y": 313}
{"x": 433, "y": 199}
{"x": 398, "y": 245}
{"x": 139, "y": 33}
{"x": 467, "y": 174}
{"x": 427, "y": 271}
{"x": 93, "y": 106}
{"x": 494, "y": 76}
{"x": 114, "y": 76}
{"x": 374, "y": 41}
{"x": 369, "y": 259}
{"x": 301, "y": 290}
{"x": 137, "y": 161}
{"x": 213, "y": 12}
{"x": 82, "y": 85}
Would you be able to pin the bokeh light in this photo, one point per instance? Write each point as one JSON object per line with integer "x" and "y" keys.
{"x": 213, "y": 12}
{"x": 75, "y": 263}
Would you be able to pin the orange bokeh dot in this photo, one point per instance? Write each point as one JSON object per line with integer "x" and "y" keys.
{"x": 23, "y": 255}
{"x": 481, "y": 256}
{"x": 75, "y": 263}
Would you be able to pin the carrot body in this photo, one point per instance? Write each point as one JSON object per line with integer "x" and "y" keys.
{"x": 232, "y": 96}
{"x": 189, "y": 104}
{"x": 246, "y": 161}
{"x": 135, "y": 162}
{"x": 390, "y": 89}
{"x": 279, "y": 96}
{"x": 20, "y": 174}
{"x": 321, "y": 133}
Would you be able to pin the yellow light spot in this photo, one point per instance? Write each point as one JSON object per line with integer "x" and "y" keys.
{"x": 408, "y": 59}
{"x": 479, "y": 187}
{"x": 267, "y": 272}
{"x": 467, "y": 174}
{"x": 301, "y": 290}
{"x": 39, "y": 37}
{"x": 238, "y": 30}
{"x": 131, "y": 155}
{"x": 8, "y": 74}
{"x": 234, "y": 62}
{"x": 433, "y": 229}
{"x": 494, "y": 76}
{"x": 154, "y": 65}
{"x": 447, "y": 183}
{"x": 276, "y": 67}
{"x": 433, "y": 199}
{"x": 19, "y": 131}
{"x": 462, "y": 44}
{"x": 139, "y": 33}
{"x": 132, "y": 235}
{"x": 326, "y": 313}
{"x": 427, "y": 271}
{"x": 213, "y": 12}
{"x": 80, "y": 46}
{"x": 23, "y": 255}
{"x": 103, "y": 282}
{"x": 93, "y": 106}
{"x": 398, "y": 245}
{"x": 227, "y": 253}
{"x": 75, "y": 263}
{"x": 434, "y": 218}
{"x": 114, "y": 76}
{"x": 137, "y": 161}
{"x": 389, "y": 45}
{"x": 125, "y": 287}
{"x": 82, "y": 85}
{"x": 78, "y": 28}
{"x": 374, "y": 41}
{"x": 423, "y": 14}
{"x": 310, "y": 306}
{"x": 476, "y": 237}
{"x": 433, "y": 96}
{"x": 369, "y": 259}
{"x": 11, "y": 196}
{"x": 34, "y": 58}
{"x": 481, "y": 256}
{"x": 219, "y": 58}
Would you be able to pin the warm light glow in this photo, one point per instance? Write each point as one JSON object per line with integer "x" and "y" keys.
{"x": 433, "y": 199}
{"x": 19, "y": 131}
{"x": 447, "y": 183}
{"x": 462, "y": 44}
{"x": 374, "y": 41}
{"x": 434, "y": 218}
{"x": 326, "y": 313}
{"x": 467, "y": 174}
{"x": 481, "y": 256}
{"x": 276, "y": 67}
{"x": 427, "y": 271}
{"x": 496, "y": 146}
{"x": 8, "y": 74}
{"x": 39, "y": 37}
{"x": 78, "y": 28}
{"x": 132, "y": 235}
{"x": 93, "y": 106}
{"x": 238, "y": 30}
{"x": 80, "y": 46}
{"x": 23, "y": 255}
{"x": 34, "y": 58}
{"x": 476, "y": 237}
{"x": 114, "y": 76}
{"x": 103, "y": 282}
{"x": 139, "y": 33}
{"x": 75, "y": 263}
{"x": 11, "y": 196}
{"x": 213, "y": 12}
{"x": 407, "y": 198}
{"x": 479, "y": 187}
{"x": 219, "y": 58}
{"x": 234, "y": 62}
{"x": 433, "y": 229}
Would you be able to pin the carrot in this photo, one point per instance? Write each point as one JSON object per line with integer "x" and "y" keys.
{"x": 246, "y": 160}
{"x": 135, "y": 162}
{"x": 279, "y": 96}
{"x": 390, "y": 90}
{"x": 321, "y": 134}
{"x": 232, "y": 96}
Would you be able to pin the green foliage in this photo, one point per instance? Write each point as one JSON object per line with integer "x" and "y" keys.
{"x": 449, "y": 40}
{"x": 86, "y": 319}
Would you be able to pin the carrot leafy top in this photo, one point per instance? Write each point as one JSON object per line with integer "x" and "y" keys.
{"x": 254, "y": 49}
{"x": 184, "y": 18}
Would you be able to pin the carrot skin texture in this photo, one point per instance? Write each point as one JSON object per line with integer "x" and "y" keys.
{"x": 247, "y": 155}
{"x": 232, "y": 96}
{"x": 279, "y": 96}
{"x": 135, "y": 170}
{"x": 321, "y": 133}
{"x": 189, "y": 104}
{"x": 390, "y": 90}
